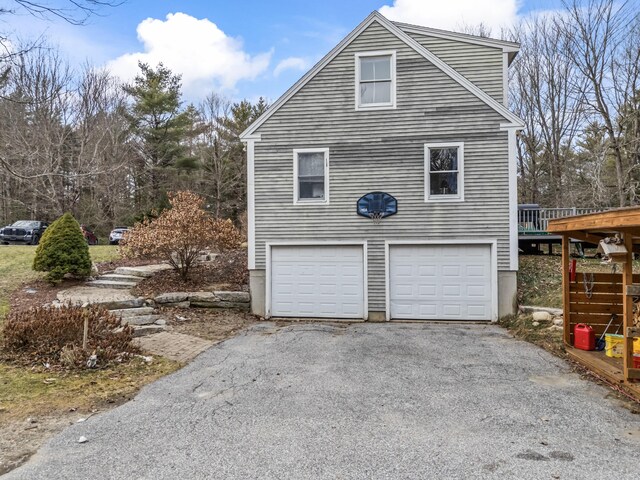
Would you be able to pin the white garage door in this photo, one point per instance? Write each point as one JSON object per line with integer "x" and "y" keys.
{"x": 440, "y": 282}
{"x": 317, "y": 281}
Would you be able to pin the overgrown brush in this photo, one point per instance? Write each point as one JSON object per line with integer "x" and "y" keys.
{"x": 53, "y": 336}
{"x": 180, "y": 233}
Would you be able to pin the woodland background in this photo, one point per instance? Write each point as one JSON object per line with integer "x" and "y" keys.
{"x": 83, "y": 141}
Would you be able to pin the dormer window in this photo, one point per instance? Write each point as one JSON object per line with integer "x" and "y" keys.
{"x": 375, "y": 80}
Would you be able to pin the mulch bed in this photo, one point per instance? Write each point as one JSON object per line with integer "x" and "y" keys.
{"x": 208, "y": 323}
{"x": 227, "y": 272}
{"x": 38, "y": 293}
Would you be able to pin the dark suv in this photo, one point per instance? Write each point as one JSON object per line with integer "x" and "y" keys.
{"x": 26, "y": 232}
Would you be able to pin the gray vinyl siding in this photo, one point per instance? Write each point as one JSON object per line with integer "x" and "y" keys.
{"x": 382, "y": 150}
{"x": 481, "y": 65}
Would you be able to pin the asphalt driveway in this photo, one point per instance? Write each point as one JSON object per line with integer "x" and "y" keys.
{"x": 361, "y": 401}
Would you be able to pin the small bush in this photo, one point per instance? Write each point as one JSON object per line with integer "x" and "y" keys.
{"x": 180, "y": 233}
{"x": 54, "y": 336}
{"x": 63, "y": 250}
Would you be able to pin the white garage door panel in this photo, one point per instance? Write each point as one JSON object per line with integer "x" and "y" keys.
{"x": 317, "y": 281}
{"x": 440, "y": 282}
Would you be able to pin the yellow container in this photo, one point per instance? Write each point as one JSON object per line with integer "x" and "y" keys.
{"x": 613, "y": 345}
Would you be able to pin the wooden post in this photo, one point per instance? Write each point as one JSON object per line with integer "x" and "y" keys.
{"x": 85, "y": 333}
{"x": 627, "y": 308}
{"x": 566, "y": 310}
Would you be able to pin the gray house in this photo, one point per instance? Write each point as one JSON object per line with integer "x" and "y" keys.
{"x": 418, "y": 118}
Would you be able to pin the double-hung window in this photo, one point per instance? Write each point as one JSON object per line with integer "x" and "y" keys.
{"x": 311, "y": 175}
{"x": 444, "y": 176}
{"x": 375, "y": 80}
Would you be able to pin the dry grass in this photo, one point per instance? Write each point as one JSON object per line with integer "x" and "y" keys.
{"x": 540, "y": 278}
{"x": 26, "y": 393}
{"x": 522, "y": 327}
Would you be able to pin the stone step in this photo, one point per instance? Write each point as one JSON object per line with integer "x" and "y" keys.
{"x": 144, "y": 330}
{"x": 111, "y": 284}
{"x": 141, "y": 320}
{"x": 132, "y": 312}
{"x": 143, "y": 271}
{"x": 120, "y": 278}
{"x": 123, "y": 304}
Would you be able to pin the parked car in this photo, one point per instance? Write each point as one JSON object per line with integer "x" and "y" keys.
{"x": 116, "y": 235}
{"x": 89, "y": 236}
{"x": 26, "y": 232}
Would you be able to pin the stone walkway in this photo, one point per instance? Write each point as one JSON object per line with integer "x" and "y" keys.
{"x": 174, "y": 346}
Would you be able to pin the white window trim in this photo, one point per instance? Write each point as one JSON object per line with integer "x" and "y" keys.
{"x": 459, "y": 197}
{"x": 376, "y": 106}
{"x": 310, "y": 201}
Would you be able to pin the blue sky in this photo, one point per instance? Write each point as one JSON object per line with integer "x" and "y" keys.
{"x": 246, "y": 48}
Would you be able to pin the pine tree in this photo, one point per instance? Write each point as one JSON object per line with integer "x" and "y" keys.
{"x": 63, "y": 249}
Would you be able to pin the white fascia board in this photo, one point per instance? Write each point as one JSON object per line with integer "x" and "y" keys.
{"x": 480, "y": 94}
{"x": 310, "y": 74}
{"x": 395, "y": 30}
{"x": 504, "y": 45}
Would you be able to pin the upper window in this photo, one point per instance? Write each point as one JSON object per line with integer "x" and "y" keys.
{"x": 444, "y": 179}
{"x": 375, "y": 80}
{"x": 311, "y": 176}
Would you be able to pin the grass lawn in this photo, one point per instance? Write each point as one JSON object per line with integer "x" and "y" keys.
{"x": 15, "y": 267}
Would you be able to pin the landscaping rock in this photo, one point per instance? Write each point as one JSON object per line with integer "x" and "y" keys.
{"x": 162, "y": 321}
{"x": 141, "y": 319}
{"x": 233, "y": 305}
{"x": 536, "y": 324}
{"x": 203, "y": 299}
{"x": 173, "y": 297}
{"x": 143, "y": 330}
{"x": 558, "y": 321}
{"x": 541, "y": 316}
{"x": 132, "y": 312}
{"x": 235, "y": 297}
{"x": 529, "y": 309}
{"x": 83, "y": 439}
{"x": 178, "y": 304}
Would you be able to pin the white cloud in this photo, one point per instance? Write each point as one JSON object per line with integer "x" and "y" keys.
{"x": 291, "y": 63}
{"x": 202, "y": 53}
{"x": 454, "y": 14}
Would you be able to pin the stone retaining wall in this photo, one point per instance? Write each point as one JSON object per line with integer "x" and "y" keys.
{"x": 237, "y": 300}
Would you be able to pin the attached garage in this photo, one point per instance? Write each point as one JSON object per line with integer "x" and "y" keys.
{"x": 441, "y": 282}
{"x": 317, "y": 281}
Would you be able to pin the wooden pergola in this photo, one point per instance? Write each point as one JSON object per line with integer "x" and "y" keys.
{"x": 602, "y": 299}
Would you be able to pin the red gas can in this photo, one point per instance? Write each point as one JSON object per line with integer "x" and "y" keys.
{"x": 584, "y": 337}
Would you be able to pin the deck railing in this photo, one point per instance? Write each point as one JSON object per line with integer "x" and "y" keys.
{"x": 535, "y": 220}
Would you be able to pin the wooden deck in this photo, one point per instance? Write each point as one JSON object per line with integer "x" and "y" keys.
{"x": 606, "y": 367}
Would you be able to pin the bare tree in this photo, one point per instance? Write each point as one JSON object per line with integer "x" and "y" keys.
{"x": 60, "y": 139}
{"x": 549, "y": 97}
{"x": 76, "y": 12}
{"x": 217, "y": 174}
{"x": 599, "y": 31}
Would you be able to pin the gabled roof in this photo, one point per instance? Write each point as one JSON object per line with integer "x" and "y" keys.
{"x": 395, "y": 30}
{"x": 511, "y": 48}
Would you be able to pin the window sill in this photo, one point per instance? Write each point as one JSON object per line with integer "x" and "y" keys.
{"x": 365, "y": 108}
{"x": 444, "y": 200}
{"x": 311, "y": 202}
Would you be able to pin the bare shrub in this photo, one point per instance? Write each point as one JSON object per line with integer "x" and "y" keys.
{"x": 180, "y": 233}
{"x": 54, "y": 336}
